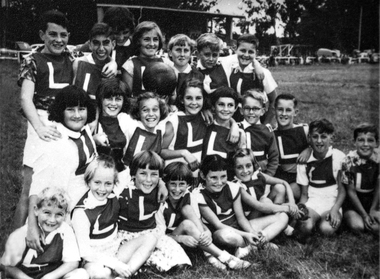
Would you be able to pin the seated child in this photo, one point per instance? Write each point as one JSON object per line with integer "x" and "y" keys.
{"x": 60, "y": 256}
{"x": 291, "y": 140}
{"x": 320, "y": 191}
{"x": 182, "y": 219}
{"x": 360, "y": 176}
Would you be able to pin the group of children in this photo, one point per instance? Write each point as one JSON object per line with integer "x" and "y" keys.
{"x": 140, "y": 158}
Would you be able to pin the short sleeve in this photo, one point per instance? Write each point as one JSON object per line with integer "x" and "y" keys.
{"x": 194, "y": 205}
{"x": 128, "y": 66}
{"x": 70, "y": 248}
{"x": 235, "y": 190}
{"x": 28, "y": 70}
{"x": 269, "y": 82}
{"x": 198, "y": 197}
{"x": 302, "y": 178}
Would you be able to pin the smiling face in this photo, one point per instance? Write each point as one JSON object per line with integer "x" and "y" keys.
{"x": 55, "y": 39}
{"x": 252, "y": 110}
{"x": 365, "y": 144}
{"x": 224, "y": 109}
{"x": 112, "y": 105}
{"x": 208, "y": 58}
{"x": 74, "y": 118}
{"x": 215, "y": 180}
{"x": 49, "y": 216}
{"x": 285, "y": 113}
{"x": 181, "y": 56}
{"x": 102, "y": 183}
{"x": 193, "y": 100}
{"x": 177, "y": 189}
{"x": 246, "y": 52}
{"x": 150, "y": 113}
{"x": 146, "y": 180}
{"x": 121, "y": 36}
{"x": 149, "y": 43}
{"x": 320, "y": 143}
{"x": 101, "y": 47}
{"x": 244, "y": 168}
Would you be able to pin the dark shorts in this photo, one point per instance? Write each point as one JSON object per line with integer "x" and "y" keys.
{"x": 365, "y": 199}
{"x": 289, "y": 177}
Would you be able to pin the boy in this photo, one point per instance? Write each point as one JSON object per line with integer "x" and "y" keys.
{"x": 88, "y": 69}
{"x": 360, "y": 176}
{"x": 320, "y": 192}
{"x": 60, "y": 257}
{"x": 291, "y": 140}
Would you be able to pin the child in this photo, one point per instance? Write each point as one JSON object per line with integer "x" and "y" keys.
{"x": 260, "y": 138}
{"x": 137, "y": 222}
{"x": 88, "y": 69}
{"x": 291, "y": 140}
{"x": 181, "y": 217}
{"x": 64, "y": 161}
{"x": 360, "y": 176}
{"x": 320, "y": 191}
{"x": 60, "y": 258}
{"x": 147, "y": 41}
{"x": 94, "y": 220}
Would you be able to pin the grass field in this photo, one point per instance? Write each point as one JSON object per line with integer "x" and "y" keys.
{"x": 346, "y": 95}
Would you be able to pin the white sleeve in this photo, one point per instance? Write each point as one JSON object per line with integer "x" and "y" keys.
{"x": 81, "y": 227}
{"x": 70, "y": 247}
{"x": 302, "y": 178}
{"x": 194, "y": 205}
{"x": 128, "y": 66}
{"x": 268, "y": 82}
{"x": 160, "y": 220}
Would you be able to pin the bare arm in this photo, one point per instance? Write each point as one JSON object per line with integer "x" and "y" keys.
{"x": 15, "y": 272}
{"x": 304, "y": 193}
{"x": 33, "y": 236}
{"x": 266, "y": 208}
{"x": 127, "y": 79}
{"x": 269, "y": 116}
{"x": 273, "y": 180}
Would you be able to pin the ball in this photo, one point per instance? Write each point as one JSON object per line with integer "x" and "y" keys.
{"x": 160, "y": 78}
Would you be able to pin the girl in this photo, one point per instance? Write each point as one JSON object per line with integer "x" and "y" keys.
{"x": 94, "y": 220}
{"x": 64, "y": 161}
{"x": 255, "y": 203}
{"x": 181, "y": 216}
{"x": 147, "y": 41}
{"x": 137, "y": 223}
{"x": 221, "y": 209}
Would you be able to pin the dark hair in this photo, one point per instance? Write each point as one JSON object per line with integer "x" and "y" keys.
{"x": 100, "y": 29}
{"x": 136, "y": 103}
{"x": 119, "y": 19}
{"x": 247, "y": 38}
{"x": 181, "y": 40}
{"x": 224, "y": 92}
{"x": 144, "y": 158}
{"x": 289, "y": 97}
{"x": 213, "y": 163}
{"x": 103, "y": 160}
{"x": 208, "y": 40}
{"x": 366, "y": 128}
{"x": 142, "y": 28}
{"x": 243, "y": 152}
{"x": 71, "y": 96}
{"x": 111, "y": 88}
{"x": 160, "y": 78}
{"x": 321, "y": 126}
{"x": 53, "y": 16}
{"x": 178, "y": 171}
{"x": 196, "y": 83}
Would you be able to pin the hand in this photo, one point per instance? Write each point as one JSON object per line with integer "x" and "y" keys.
{"x": 209, "y": 117}
{"x": 251, "y": 238}
{"x": 187, "y": 240}
{"x": 205, "y": 239}
{"x": 334, "y": 217}
{"x": 123, "y": 270}
{"x": 368, "y": 222}
{"x": 109, "y": 70}
{"x": 259, "y": 72}
{"x": 375, "y": 215}
{"x": 234, "y": 134}
{"x": 294, "y": 211}
{"x": 191, "y": 160}
{"x": 262, "y": 238}
{"x": 33, "y": 239}
{"x": 101, "y": 139}
{"x": 242, "y": 141}
{"x": 48, "y": 133}
{"x": 304, "y": 156}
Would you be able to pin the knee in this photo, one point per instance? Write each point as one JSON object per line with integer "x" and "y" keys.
{"x": 326, "y": 229}
{"x": 306, "y": 227}
{"x": 99, "y": 272}
{"x": 188, "y": 226}
{"x": 283, "y": 218}
{"x": 225, "y": 237}
{"x": 278, "y": 189}
{"x": 79, "y": 273}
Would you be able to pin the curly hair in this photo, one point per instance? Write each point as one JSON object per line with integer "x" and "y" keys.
{"x": 137, "y": 103}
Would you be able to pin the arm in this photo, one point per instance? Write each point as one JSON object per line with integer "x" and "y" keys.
{"x": 273, "y": 180}
{"x": 269, "y": 116}
{"x": 15, "y": 272}
{"x": 334, "y": 216}
{"x": 61, "y": 271}
{"x": 272, "y": 157}
{"x": 266, "y": 208}
{"x": 33, "y": 236}
{"x": 258, "y": 69}
{"x": 110, "y": 69}
{"x": 234, "y": 134}
{"x": 304, "y": 193}
{"x": 127, "y": 79}
{"x": 208, "y": 116}
{"x": 162, "y": 194}
{"x": 304, "y": 156}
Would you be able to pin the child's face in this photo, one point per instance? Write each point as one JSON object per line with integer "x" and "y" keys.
{"x": 149, "y": 43}
{"x": 246, "y": 52}
{"x": 365, "y": 144}
{"x": 252, "y": 110}
{"x": 121, "y": 36}
{"x": 193, "y": 100}
{"x": 101, "y": 47}
{"x": 285, "y": 113}
{"x": 208, "y": 57}
{"x": 102, "y": 183}
{"x": 75, "y": 118}
{"x": 177, "y": 188}
{"x": 181, "y": 55}
{"x": 215, "y": 181}
{"x": 150, "y": 113}
{"x": 112, "y": 105}
{"x": 146, "y": 180}
{"x": 55, "y": 38}
{"x": 49, "y": 216}
{"x": 244, "y": 168}
{"x": 320, "y": 143}
{"x": 224, "y": 109}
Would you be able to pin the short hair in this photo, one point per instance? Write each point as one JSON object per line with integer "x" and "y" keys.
{"x": 71, "y": 96}
{"x": 321, "y": 126}
{"x": 53, "y": 16}
{"x": 160, "y": 78}
{"x": 285, "y": 96}
{"x": 142, "y": 28}
{"x": 247, "y": 38}
{"x": 209, "y": 40}
{"x": 178, "y": 171}
{"x": 254, "y": 94}
{"x": 146, "y": 158}
{"x": 243, "y": 152}
{"x": 119, "y": 18}
{"x": 224, "y": 92}
{"x": 181, "y": 40}
{"x": 196, "y": 83}
{"x": 103, "y": 160}
{"x": 111, "y": 88}
{"x": 213, "y": 163}
{"x": 101, "y": 29}
{"x": 136, "y": 103}
{"x": 366, "y": 128}
{"x": 53, "y": 196}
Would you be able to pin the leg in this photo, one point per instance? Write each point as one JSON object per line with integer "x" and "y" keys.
{"x": 229, "y": 238}
{"x": 296, "y": 191}
{"x": 79, "y": 273}
{"x": 98, "y": 271}
{"x": 354, "y": 221}
{"x": 271, "y": 225}
{"x": 278, "y": 194}
{"x": 324, "y": 226}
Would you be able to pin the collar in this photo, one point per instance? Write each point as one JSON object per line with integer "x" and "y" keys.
{"x": 245, "y": 123}
{"x": 201, "y": 67}
{"x": 186, "y": 71}
{"x": 70, "y": 133}
{"x": 91, "y": 202}
{"x": 248, "y": 69}
{"x": 328, "y": 154}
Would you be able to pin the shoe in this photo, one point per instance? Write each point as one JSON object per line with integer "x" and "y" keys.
{"x": 214, "y": 261}
{"x": 236, "y": 263}
{"x": 289, "y": 231}
{"x": 270, "y": 246}
{"x": 242, "y": 252}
